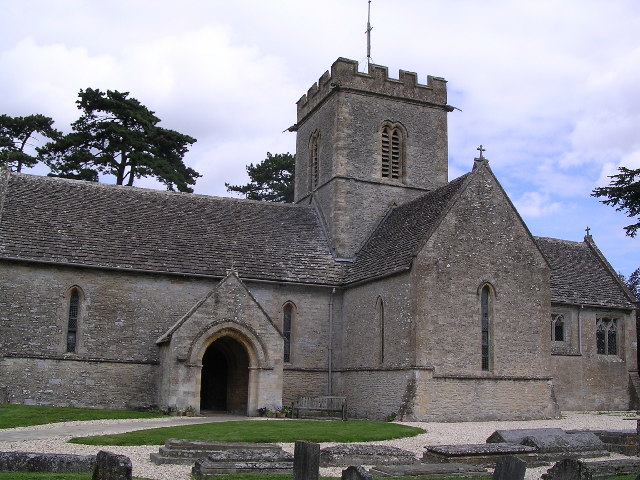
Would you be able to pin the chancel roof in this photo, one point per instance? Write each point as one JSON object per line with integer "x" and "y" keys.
{"x": 81, "y": 223}
{"x": 396, "y": 241}
{"x": 580, "y": 275}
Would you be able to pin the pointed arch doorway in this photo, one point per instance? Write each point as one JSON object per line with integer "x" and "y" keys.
{"x": 224, "y": 383}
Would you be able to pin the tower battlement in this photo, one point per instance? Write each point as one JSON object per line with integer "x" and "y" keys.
{"x": 345, "y": 76}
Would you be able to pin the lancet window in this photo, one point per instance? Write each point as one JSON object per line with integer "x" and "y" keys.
{"x": 558, "y": 326}
{"x": 72, "y": 320}
{"x": 288, "y": 314}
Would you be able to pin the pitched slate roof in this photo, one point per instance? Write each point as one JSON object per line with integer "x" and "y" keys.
{"x": 396, "y": 241}
{"x": 580, "y": 276}
{"x": 75, "y": 222}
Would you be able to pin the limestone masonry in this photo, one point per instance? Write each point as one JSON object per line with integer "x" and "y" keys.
{"x": 385, "y": 283}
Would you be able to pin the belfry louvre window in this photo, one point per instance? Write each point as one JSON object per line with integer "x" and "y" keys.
{"x": 314, "y": 173}
{"x": 557, "y": 327}
{"x": 607, "y": 336}
{"x": 72, "y": 323}
{"x": 392, "y": 151}
{"x": 287, "y": 317}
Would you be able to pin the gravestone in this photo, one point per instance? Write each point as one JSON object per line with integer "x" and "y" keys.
{"x": 345, "y": 455}
{"x": 110, "y": 466}
{"x": 509, "y": 468}
{"x": 356, "y": 473}
{"x": 306, "y": 461}
{"x": 568, "y": 469}
{"x": 46, "y": 462}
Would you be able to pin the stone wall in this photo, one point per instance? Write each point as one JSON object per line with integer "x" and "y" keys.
{"x": 461, "y": 398}
{"x": 65, "y": 382}
{"x": 586, "y": 380}
{"x": 366, "y": 340}
{"x": 373, "y": 393}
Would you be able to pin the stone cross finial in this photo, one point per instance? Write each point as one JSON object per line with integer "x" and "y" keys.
{"x": 588, "y": 230}
{"x": 479, "y": 160}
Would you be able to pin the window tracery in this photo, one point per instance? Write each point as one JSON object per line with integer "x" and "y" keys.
{"x": 607, "y": 336}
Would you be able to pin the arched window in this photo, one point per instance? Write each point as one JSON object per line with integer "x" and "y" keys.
{"x": 485, "y": 314}
{"x": 392, "y": 154}
{"x": 288, "y": 314}
{"x": 557, "y": 327}
{"x": 314, "y": 168}
{"x": 72, "y": 320}
{"x": 380, "y": 317}
{"x": 607, "y": 335}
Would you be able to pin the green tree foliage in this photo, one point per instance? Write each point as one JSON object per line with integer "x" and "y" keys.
{"x": 633, "y": 282}
{"x": 272, "y": 179}
{"x": 17, "y": 138}
{"x": 624, "y": 193}
{"x": 117, "y": 135}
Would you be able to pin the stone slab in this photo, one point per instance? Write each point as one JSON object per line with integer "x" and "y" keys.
{"x": 430, "y": 470}
{"x": 185, "y": 452}
{"x": 178, "y": 444}
{"x": 344, "y": 455}
{"x": 575, "y": 442}
{"x": 204, "y": 468}
{"x": 517, "y": 436}
{"x": 485, "y": 454}
{"x": 470, "y": 449}
{"x": 46, "y": 462}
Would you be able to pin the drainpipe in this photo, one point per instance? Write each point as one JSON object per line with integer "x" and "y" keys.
{"x": 580, "y": 329}
{"x": 330, "y": 346}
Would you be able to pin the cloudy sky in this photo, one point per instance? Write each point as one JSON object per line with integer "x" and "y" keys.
{"x": 551, "y": 88}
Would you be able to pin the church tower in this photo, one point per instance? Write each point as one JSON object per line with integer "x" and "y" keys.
{"x": 366, "y": 142}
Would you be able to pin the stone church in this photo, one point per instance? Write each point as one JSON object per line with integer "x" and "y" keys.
{"x": 384, "y": 283}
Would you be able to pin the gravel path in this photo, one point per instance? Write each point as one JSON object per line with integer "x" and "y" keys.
{"x": 437, "y": 434}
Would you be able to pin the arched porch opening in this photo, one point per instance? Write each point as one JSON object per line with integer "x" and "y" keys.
{"x": 224, "y": 382}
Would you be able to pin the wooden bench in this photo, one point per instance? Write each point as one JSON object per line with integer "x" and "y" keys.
{"x": 325, "y": 404}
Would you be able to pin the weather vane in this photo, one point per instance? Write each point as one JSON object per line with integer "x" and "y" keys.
{"x": 368, "y": 32}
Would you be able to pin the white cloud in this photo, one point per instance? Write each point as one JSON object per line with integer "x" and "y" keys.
{"x": 536, "y": 204}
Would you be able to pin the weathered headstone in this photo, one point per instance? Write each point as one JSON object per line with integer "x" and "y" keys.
{"x": 46, "y": 462}
{"x": 568, "y": 469}
{"x": 356, "y": 473}
{"x": 509, "y": 468}
{"x": 344, "y": 455}
{"x": 306, "y": 461}
{"x": 110, "y": 466}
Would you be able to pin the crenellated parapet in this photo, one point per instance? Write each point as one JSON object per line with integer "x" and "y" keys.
{"x": 345, "y": 76}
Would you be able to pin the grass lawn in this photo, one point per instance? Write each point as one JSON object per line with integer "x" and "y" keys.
{"x": 262, "y": 432}
{"x": 24, "y": 415}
